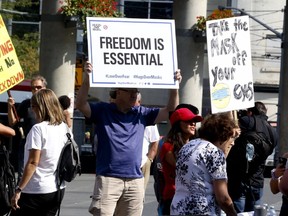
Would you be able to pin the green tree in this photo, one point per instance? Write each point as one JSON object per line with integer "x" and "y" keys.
{"x": 27, "y": 49}
{"x": 25, "y": 37}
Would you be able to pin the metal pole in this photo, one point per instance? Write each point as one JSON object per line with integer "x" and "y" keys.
{"x": 282, "y": 124}
{"x": 121, "y": 6}
{"x": 149, "y": 9}
{"x": 278, "y": 34}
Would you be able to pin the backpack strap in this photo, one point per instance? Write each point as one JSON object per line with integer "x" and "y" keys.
{"x": 60, "y": 182}
{"x": 271, "y": 134}
{"x": 261, "y": 124}
{"x": 265, "y": 126}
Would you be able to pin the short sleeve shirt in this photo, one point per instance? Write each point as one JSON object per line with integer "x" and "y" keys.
{"x": 120, "y": 138}
{"x": 198, "y": 164}
{"x": 151, "y": 135}
{"x": 26, "y": 115}
{"x": 49, "y": 139}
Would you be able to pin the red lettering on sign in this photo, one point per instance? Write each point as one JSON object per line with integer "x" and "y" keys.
{"x": 6, "y": 47}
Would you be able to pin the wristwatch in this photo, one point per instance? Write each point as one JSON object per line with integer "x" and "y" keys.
{"x": 18, "y": 189}
{"x": 273, "y": 176}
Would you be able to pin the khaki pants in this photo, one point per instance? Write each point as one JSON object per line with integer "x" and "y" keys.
{"x": 146, "y": 172}
{"x": 124, "y": 197}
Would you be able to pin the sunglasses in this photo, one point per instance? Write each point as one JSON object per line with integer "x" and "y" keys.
{"x": 190, "y": 122}
{"x": 36, "y": 87}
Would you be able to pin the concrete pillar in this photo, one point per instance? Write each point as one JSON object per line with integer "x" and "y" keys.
{"x": 190, "y": 54}
{"x": 57, "y": 50}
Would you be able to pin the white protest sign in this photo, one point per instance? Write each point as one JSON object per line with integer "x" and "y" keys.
{"x": 132, "y": 53}
{"x": 230, "y": 67}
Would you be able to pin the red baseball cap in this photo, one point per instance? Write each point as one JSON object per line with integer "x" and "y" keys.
{"x": 184, "y": 114}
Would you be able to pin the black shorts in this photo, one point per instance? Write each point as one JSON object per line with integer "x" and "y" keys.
{"x": 39, "y": 204}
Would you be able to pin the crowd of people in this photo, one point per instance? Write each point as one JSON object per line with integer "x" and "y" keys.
{"x": 198, "y": 155}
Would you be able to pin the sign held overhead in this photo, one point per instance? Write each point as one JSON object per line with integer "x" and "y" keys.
{"x": 132, "y": 53}
{"x": 230, "y": 66}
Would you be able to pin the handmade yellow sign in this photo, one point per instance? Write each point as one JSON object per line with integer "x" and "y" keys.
{"x": 10, "y": 69}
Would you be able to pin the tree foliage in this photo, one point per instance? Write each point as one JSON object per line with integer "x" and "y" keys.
{"x": 25, "y": 37}
{"x": 27, "y": 49}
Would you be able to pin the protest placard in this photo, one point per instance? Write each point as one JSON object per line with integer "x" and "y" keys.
{"x": 230, "y": 66}
{"x": 10, "y": 69}
{"x": 132, "y": 53}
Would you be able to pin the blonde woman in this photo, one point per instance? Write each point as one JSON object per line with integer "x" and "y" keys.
{"x": 37, "y": 190}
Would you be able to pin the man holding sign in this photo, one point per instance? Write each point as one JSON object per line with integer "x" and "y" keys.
{"x": 120, "y": 129}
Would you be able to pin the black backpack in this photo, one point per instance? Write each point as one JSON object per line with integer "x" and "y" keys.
{"x": 69, "y": 162}
{"x": 7, "y": 181}
{"x": 251, "y": 149}
{"x": 68, "y": 165}
{"x": 261, "y": 143}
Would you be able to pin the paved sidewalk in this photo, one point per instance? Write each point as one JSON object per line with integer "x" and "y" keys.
{"x": 77, "y": 197}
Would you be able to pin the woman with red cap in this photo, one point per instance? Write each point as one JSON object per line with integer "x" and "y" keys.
{"x": 183, "y": 122}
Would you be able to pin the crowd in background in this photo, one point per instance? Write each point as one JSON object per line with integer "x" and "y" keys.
{"x": 201, "y": 176}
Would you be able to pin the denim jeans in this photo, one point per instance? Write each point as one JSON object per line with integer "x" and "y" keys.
{"x": 284, "y": 207}
{"x": 249, "y": 197}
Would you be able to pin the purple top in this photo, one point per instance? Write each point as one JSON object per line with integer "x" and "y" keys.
{"x": 120, "y": 138}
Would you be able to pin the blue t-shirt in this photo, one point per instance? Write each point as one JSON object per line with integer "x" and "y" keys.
{"x": 120, "y": 138}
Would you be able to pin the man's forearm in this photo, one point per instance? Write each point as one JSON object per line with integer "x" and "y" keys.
{"x": 171, "y": 105}
{"x": 173, "y": 100}
{"x": 83, "y": 93}
{"x": 152, "y": 150}
{"x": 11, "y": 117}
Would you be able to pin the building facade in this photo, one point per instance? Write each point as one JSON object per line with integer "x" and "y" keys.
{"x": 265, "y": 47}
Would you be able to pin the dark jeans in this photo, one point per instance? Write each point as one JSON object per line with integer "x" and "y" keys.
{"x": 166, "y": 207}
{"x": 284, "y": 207}
{"x": 249, "y": 197}
{"x": 39, "y": 204}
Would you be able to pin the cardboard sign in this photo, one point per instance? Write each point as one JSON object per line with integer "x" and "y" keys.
{"x": 132, "y": 53}
{"x": 10, "y": 69}
{"x": 230, "y": 67}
